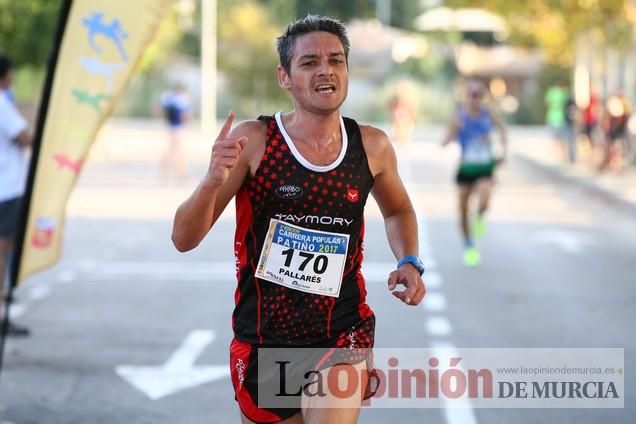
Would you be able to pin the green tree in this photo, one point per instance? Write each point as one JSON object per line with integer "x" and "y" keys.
{"x": 404, "y": 12}
{"x": 553, "y": 25}
{"x": 247, "y": 56}
{"x": 27, "y": 28}
{"x": 343, "y": 10}
{"x": 168, "y": 38}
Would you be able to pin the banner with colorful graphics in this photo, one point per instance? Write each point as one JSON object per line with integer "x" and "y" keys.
{"x": 99, "y": 43}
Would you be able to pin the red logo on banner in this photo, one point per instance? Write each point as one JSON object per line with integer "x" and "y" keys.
{"x": 43, "y": 234}
{"x": 63, "y": 161}
{"x": 352, "y": 195}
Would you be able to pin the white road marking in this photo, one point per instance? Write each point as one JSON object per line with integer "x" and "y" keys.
{"x": 179, "y": 372}
{"x": 569, "y": 241}
{"x": 374, "y": 272}
{"x": 433, "y": 280}
{"x": 129, "y": 243}
{"x": 35, "y": 293}
{"x": 39, "y": 292}
{"x": 182, "y": 269}
{"x": 108, "y": 253}
{"x": 16, "y": 311}
{"x": 456, "y": 411}
{"x": 67, "y": 276}
{"x": 434, "y": 301}
{"x": 429, "y": 261}
{"x": 87, "y": 265}
{"x": 438, "y": 326}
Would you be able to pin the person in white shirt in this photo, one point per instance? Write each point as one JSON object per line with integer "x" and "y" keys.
{"x": 15, "y": 136}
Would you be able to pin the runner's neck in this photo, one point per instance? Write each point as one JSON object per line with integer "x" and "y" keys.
{"x": 320, "y": 133}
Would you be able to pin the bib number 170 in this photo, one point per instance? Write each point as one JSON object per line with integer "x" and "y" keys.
{"x": 320, "y": 262}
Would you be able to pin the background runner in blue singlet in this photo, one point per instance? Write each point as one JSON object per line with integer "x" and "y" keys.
{"x": 471, "y": 127}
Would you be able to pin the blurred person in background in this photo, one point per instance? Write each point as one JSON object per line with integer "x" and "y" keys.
{"x": 402, "y": 112}
{"x": 556, "y": 98}
{"x": 472, "y": 126}
{"x": 175, "y": 108}
{"x": 590, "y": 116}
{"x": 630, "y": 143}
{"x": 15, "y": 137}
{"x": 614, "y": 125}
{"x": 569, "y": 130}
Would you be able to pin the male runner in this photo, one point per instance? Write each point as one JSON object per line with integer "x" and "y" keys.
{"x": 471, "y": 127}
{"x": 301, "y": 180}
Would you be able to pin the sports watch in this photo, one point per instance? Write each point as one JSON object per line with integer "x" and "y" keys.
{"x": 413, "y": 260}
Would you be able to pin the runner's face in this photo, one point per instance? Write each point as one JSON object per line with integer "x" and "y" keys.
{"x": 475, "y": 96}
{"x": 318, "y": 78}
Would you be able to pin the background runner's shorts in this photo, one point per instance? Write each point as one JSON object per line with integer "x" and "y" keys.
{"x": 351, "y": 346}
{"x": 9, "y": 213}
{"x": 468, "y": 176}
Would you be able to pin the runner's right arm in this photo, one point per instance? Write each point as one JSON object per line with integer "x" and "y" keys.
{"x": 451, "y": 134}
{"x": 232, "y": 157}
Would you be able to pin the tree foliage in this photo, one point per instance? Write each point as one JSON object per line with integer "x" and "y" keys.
{"x": 247, "y": 55}
{"x": 247, "y": 30}
{"x": 27, "y": 28}
{"x": 167, "y": 38}
{"x": 403, "y": 12}
{"x": 553, "y": 25}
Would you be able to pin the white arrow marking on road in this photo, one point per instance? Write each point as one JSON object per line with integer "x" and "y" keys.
{"x": 439, "y": 326}
{"x": 39, "y": 292}
{"x": 434, "y": 301}
{"x": 569, "y": 241}
{"x": 179, "y": 373}
{"x": 432, "y": 279}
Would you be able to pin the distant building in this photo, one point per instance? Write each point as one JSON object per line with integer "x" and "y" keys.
{"x": 481, "y": 53}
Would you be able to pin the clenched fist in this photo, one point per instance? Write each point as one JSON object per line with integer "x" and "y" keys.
{"x": 225, "y": 154}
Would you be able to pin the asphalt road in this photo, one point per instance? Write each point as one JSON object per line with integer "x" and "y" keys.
{"x": 557, "y": 272}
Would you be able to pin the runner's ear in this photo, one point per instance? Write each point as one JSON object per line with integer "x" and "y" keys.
{"x": 283, "y": 78}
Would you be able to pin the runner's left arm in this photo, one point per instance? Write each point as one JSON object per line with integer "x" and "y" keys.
{"x": 503, "y": 134}
{"x": 399, "y": 216}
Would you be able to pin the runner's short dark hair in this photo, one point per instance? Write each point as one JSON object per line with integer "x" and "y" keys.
{"x": 311, "y": 23}
{"x": 5, "y": 64}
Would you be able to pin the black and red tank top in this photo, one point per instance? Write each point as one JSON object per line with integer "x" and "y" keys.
{"x": 287, "y": 189}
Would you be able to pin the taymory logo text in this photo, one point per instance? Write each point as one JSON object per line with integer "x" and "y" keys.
{"x": 313, "y": 219}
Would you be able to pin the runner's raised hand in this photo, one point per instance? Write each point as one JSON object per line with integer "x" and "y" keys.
{"x": 225, "y": 153}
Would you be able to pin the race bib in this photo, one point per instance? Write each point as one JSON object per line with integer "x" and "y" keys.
{"x": 477, "y": 152}
{"x": 307, "y": 260}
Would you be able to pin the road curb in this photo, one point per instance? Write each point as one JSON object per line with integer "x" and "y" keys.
{"x": 583, "y": 183}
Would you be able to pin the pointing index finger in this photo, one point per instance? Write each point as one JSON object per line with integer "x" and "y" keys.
{"x": 227, "y": 126}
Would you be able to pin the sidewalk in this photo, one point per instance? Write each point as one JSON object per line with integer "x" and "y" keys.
{"x": 537, "y": 149}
